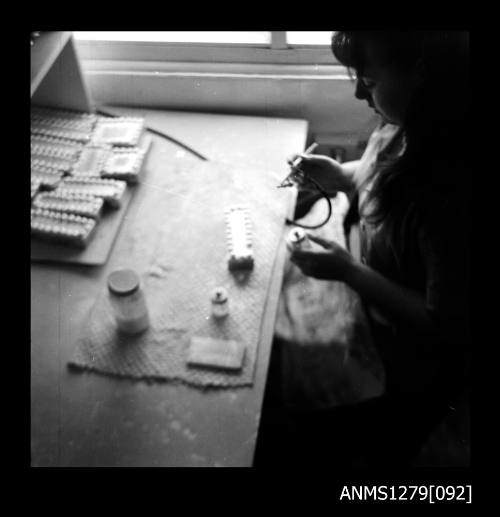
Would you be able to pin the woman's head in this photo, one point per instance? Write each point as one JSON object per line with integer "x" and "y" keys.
{"x": 388, "y": 91}
{"x": 420, "y": 81}
{"x": 407, "y": 76}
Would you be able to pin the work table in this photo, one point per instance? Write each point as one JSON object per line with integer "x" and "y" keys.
{"x": 90, "y": 419}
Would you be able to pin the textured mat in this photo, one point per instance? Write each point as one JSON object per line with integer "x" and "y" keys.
{"x": 177, "y": 242}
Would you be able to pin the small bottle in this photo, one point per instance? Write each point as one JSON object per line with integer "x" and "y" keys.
{"x": 128, "y": 302}
{"x": 220, "y": 303}
{"x": 297, "y": 239}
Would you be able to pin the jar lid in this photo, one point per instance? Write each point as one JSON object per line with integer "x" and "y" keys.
{"x": 297, "y": 235}
{"x": 219, "y": 295}
{"x": 123, "y": 282}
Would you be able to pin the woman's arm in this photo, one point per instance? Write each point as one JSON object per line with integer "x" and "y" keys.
{"x": 396, "y": 303}
{"x": 349, "y": 169}
{"x": 332, "y": 175}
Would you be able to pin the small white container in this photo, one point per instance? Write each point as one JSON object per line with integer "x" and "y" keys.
{"x": 127, "y": 300}
{"x": 297, "y": 240}
{"x": 220, "y": 302}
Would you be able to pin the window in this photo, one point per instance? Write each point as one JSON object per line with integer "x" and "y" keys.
{"x": 309, "y": 38}
{"x": 186, "y": 37}
{"x": 280, "y": 47}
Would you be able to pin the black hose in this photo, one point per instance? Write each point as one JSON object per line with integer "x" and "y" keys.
{"x": 159, "y": 133}
{"x": 326, "y": 196}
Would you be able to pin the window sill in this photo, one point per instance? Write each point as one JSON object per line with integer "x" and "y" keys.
{"x": 218, "y": 69}
{"x": 168, "y": 52}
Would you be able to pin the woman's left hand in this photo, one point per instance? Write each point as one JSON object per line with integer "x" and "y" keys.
{"x": 332, "y": 262}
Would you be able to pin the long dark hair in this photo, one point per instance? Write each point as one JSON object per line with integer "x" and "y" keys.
{"x": 436, "y": 124}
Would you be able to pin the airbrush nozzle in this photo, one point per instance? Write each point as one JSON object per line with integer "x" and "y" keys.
{"x": 296, "y": 175}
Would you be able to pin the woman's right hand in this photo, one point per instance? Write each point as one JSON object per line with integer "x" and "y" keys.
{"x": 324, "y": 170}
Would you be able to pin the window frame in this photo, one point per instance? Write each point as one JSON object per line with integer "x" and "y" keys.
{"x": 277, "y": 52}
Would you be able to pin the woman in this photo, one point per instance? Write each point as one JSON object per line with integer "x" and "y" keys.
{"x": 409, "y": 191}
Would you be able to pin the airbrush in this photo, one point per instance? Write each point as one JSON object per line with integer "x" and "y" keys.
{"x": 297, "y": 175}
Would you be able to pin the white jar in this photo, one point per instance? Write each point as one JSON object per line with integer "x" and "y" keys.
{"x": 220, "y": 302}
{"x": 297, "y": 240}
{"x": 128, "y": 302}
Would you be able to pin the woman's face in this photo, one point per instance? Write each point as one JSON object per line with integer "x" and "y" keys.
{"x": 387, "y": 91}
